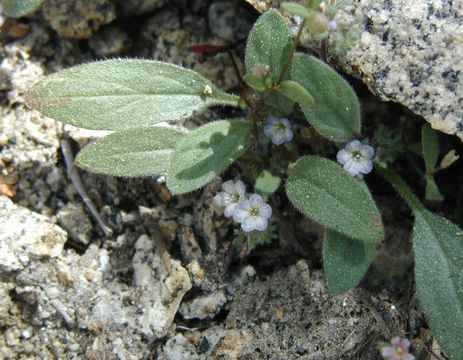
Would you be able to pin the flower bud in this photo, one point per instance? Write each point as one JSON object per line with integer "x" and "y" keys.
{"x": 448, "y": 160}
{"x": 261, "y": 71}
{"x": 318, "y": 23}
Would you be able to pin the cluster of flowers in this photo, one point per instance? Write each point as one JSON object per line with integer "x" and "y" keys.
{"x": 399, "y": 349}
{"x": 251, "y": 212}
{"x": 356, "y": 157}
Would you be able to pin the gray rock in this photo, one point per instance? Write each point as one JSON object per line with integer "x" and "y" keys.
{"x": 203, "y": 307}
{"x": 137, "y": 7}
{"x": 78, "y": 18}
{"x": 25, "y": 236}
{"x": 410, "y": 53}
{"x": 74, "y": 219}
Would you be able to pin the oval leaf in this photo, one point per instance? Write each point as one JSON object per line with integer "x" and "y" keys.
{"x": 345, "y": 260}
{"x": 266, "y": 183}
{"x": 269, "y": 43}
{"x": 296, "y": 92}
{"x": 324, "y": 192}
{"x": 430, "y": 147}
{"x": 336, "y": 114}
{"x": 205, "y": 153}
{"x": 136, "y": 152}
{"x": 296, "y": 9}
{"x": 18, "y": 8}
{"x": 438, "y": 248}
{"x": 124, "y": 94}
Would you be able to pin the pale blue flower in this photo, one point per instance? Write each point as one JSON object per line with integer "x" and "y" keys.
{"x": 253, "y": 214}
{"x": 232, "y": 194}
{"x": 278, "y": 130}
{"x": 356, "y": 158}
{"x": 398, "y": 350}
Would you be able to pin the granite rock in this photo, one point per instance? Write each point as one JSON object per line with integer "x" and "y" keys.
{"x": 410, "y": 52}
{"x": 25, "y": 236}
{"x": 78, "y": 18}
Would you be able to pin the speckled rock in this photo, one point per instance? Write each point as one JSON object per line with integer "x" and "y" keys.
{"x": 25, "y": 236}
{"x": 78, "y": 18}
{"x": 410, "y": 52}
{"x": 137, "y": 7}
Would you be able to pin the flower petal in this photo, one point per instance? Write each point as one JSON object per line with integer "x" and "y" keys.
{"x": 353, "y": 145}
{"x": 229, "y": 187}
{"x": 260, "y": 224}
{"x": 230, "y": 209}
{"x": 367, "y": 151}
{"x": 265, "y": 211}
{"x": 365, "y": 166}
{"x": 255, "y": 201}
{"x": 387, "y": 351}
{"x": 343, "y": 156}
{"x": 240, "y": 188}
{"x": 351, "y": 166}
{"x": 222, "y": 199}
{"x": 248, "y": 225}
{"x": 240, "y": 215}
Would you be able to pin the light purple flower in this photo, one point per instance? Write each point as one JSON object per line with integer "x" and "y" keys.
{"x": 253, "y": 214}
{"x": 278, "y": 130}
{"x": 229, "y": 198}
{"x": 398, "y": 350}
{"x": 332, "y": 25}
{"x": 356, "y": 158}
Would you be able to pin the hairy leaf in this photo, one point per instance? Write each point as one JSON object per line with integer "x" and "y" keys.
{"x": 136, "y": 152}
{"x": 324, "y": 192}
{"x": 205, "y": 153}
{"x": 438, "y": 247}
{"x": 18, "y": 8}
{"x": 269, "y": 43}
{"x": 124, "y": 94}
{"x": 296, "y": 92}
{"x": 336, "y": 114}
{"x": 430, "y": 147}
{"x": 266, "y": 183}
{"x": 296, "y": 9}
{"x": 345, "y": 260}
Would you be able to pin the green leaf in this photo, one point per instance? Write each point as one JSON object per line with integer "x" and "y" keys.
{"x": 255, "y": 82}
{"x": 432, "y": 191}
{"x": 124, "y": 94}
{"x": 266, "y": 183}
{"x": 296, "y": 9}
{"x": 269, "y": 43}
{"x": 18, "y": 8}
{"x": 205, "y": 153}
{"x": 345, "y": 260}
{"x": 336, "y": 114}
{"x": 313, "y": 4}
{"x": 324, "y": 192}
{"x": 430, "y": 147}
{"x": 296, "y": 92}
{"x": 438, "y": 248}
{"x": 136, "y": 152}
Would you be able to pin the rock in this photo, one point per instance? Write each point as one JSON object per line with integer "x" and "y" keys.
{"x": 203, "y": 307}
{"x": 26, "y": 235}
{"x": 74, "y": 219}
{"x": 163, "y": 286}
{"x": 229, "y": 20}
{"x": 137, "y": 7}
{"x": 410, "y": 53}
{"x": 178, "y": 347}
{"x": 78, "y": 18}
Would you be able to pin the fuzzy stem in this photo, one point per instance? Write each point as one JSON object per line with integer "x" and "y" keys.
{"x": 291, "y": 52}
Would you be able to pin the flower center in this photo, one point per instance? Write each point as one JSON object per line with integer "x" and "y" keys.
{"x": 254, "y": 212}
{"x": 280, "y": 127}
{"x": 356, "y": 155}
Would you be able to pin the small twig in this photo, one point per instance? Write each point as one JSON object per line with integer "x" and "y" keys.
{"x": 75, "y": 178}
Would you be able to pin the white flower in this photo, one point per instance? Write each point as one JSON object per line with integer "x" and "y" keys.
{"x": 253, "y": 214}
{"x": 278, "y": 130}
{"x": 232, "y": 194}
{"x": 356, "y": 158}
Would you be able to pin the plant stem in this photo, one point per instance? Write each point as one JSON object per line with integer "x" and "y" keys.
{"x": 402, "y": 188}
{"x": 291, "y": 52}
